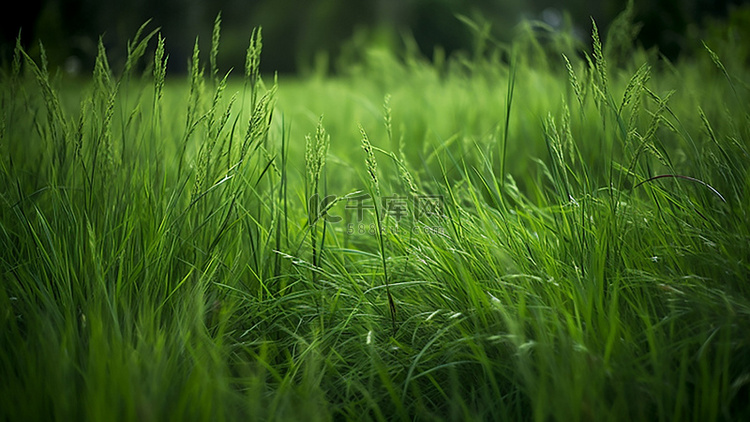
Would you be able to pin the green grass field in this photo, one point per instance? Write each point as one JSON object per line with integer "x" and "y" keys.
{"x": 549, "y": 230}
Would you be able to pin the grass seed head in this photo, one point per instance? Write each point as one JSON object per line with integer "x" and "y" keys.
{"x": 370, "y": 162}
{"x": 160, "y": 69}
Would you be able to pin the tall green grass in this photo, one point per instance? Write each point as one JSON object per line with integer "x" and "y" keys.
{"x": 548, "y": 230}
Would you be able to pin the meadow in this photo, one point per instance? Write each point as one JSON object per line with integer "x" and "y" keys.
{"x": 553, "y": 229}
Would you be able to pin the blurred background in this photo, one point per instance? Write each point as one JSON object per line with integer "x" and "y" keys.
{"x": 300, "y": 35}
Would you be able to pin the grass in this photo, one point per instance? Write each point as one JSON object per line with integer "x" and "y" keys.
{"x": 558, "y": 232}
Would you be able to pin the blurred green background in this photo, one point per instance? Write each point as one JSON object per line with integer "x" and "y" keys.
{"x": 299, "y": 35}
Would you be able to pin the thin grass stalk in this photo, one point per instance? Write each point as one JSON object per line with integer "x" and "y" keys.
{"x": 372, "y": 170}
{"x": 508, "y": 104}
{"x": 193, "y": 104}
{"x": 315, "y": 160}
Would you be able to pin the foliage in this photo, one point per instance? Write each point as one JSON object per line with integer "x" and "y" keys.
{"x": 543, "y": 231}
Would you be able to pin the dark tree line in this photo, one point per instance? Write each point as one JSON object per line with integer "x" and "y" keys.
{"x": 295, "y": 31}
